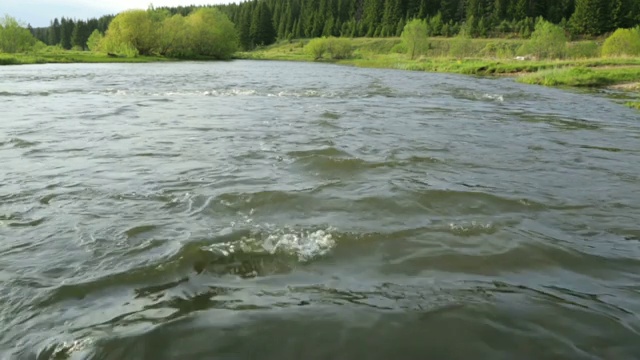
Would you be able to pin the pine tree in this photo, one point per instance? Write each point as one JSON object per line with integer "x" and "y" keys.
{"x": 54, "y": 32}
{"x": 589, "y": 17}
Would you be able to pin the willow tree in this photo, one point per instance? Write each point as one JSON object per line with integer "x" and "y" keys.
{"x": 211, "y": 33}
{"x": 204, "y": 32}
{"x": 134, "y": 28}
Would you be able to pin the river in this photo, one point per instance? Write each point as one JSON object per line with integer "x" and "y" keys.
{"x": 281, "y": 210}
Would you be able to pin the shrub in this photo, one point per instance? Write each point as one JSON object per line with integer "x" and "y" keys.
{"x": 622, "y": 42}
{"x": 499, "y": 49}
{"x": 399, "y": 48}
{"x": 461, "y": 45}
{"x": 547, "y": 41}
{"x": 583, "y": 49}
{"x": 337, "y": 48}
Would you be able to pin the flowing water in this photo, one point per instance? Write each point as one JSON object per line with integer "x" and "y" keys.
{"x": 280, "y": 210}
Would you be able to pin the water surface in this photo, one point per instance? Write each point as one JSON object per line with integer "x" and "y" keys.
{"x": 282, "y": 210}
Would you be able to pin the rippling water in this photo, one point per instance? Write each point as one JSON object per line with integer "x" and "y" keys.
{"x": 226, "y": 210}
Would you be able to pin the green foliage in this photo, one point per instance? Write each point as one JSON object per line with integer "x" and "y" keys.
{"x": 133, "y": 28}
{"x": 590, "y": 17}
{"x": 14, "y": 37}
{"x": 399, "y": 48}
{"x": 499, "y": 49}
{"x": 337, "y": 48}
{"x": 582, "y": 76}
{"x": 212, "y": 34}
{"x": 548, "y": 41}
{"x": 205, "y": 32}
{"x": 623, "y": 42}
{"x": 262, "y": 31}
{"x": 633, "y": 104}
{"x": 583, "y": 50}
{"x": 461, "y": 46}
{"x": 93, "y": 43}
{"x": 316, "y": 48}
{"x": 414, "y": 37}
{"x": 51, "y": 55}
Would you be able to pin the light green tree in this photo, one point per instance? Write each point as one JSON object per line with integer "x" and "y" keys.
{"x": 14, "y": 36}
{"x": 211, "y": 33}
{"x": 93, "y": 43}
{"x": 173, "y": 37}
{"x": 623, "y": 42}
{"x": 414, "y": 36}
{"x": 547, "y": 41}
{"x": 204, "y": 32}
{"x": 133, "y": 27}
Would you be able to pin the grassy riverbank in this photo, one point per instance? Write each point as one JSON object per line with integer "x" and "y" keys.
{"x": 581, "y": 67}
{"x": 480, "y": 57}
{"x": 72, "y": 57}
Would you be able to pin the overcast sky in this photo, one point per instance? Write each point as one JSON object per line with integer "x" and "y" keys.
{"x": 40, "y": 12}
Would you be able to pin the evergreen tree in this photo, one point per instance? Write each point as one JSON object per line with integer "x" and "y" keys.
{"x": 54, "y": 32}
{"x": 262, "y": 31}
{"x": 589, "y": 17}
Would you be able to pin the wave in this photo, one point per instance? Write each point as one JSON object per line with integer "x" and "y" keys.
{"x": 332, "y": 161}
{"x": 461, "y": 202}
{"x": 22, "y": 143}
{"x": 244, "y": 253}
{"x": 24, "y": 94}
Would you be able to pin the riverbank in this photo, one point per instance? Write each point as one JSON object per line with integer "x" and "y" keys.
{"x": 482, "y": 57}
{"x": 382, "y": 53}
{"x": 70, "y": 56}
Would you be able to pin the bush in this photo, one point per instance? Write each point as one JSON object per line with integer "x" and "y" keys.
{"x": 316, "y": 48}
{"x": 337, "y": 48}
{"x": 399, "y": 48}
{"x": 461, "y": 45}
{"x": 622, "y": 42}
{"x": 547, "y": 41}
{"x": 499, "y": 49}
{"x": 583, "y": 50}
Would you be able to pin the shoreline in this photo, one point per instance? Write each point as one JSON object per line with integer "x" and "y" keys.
{"x": 618, "y": 74}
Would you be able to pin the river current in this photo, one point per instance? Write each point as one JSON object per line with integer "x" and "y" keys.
{"x": 280, "y": 210}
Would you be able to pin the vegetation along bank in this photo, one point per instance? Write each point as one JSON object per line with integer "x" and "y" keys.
{"x": 587, "y": 43}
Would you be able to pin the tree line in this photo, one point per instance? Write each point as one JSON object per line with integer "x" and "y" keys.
{"x": 262, "y": 22}
{"x": 70, "y": 33}
{"x": 381, "y": 18}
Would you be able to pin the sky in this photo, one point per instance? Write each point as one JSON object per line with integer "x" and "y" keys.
{"x": 39, "y": 13}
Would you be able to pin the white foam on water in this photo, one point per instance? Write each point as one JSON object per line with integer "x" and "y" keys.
{"x": 305, "y": 245}
{"x": 471, "y": 228}
{"x": 496, "y": 97}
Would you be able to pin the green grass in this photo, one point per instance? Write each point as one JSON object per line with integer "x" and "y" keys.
{"x": 45, "y": 57}
{"x": 633, "y": 104}
{"x": 580, "y": 76}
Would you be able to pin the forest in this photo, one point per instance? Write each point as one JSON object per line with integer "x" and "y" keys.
{"x": 262, "y": 22}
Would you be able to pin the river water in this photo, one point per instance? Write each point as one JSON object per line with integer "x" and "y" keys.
{"x": 277, "y": 210}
